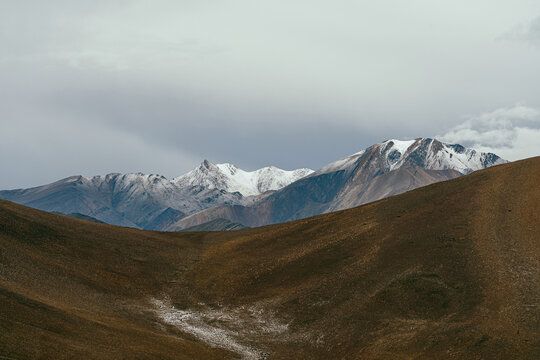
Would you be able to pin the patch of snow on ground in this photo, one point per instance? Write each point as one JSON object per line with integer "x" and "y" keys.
{"x": 223, "y": 327}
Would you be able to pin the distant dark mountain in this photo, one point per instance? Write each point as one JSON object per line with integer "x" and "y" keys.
{"x": 82, "y": 217}
{"x": 152, "y": 201}
{"x": 385, "y": 169}
{"x": 164, "y": 220}
{"x": 217, "y": 225}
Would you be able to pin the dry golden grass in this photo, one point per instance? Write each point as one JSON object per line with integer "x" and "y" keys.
{"x": 449, "y": 271}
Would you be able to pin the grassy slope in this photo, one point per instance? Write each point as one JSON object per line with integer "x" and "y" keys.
{"x": 446, "y": 271}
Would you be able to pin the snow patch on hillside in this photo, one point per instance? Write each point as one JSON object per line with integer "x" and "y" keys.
{"x": 226, "y": 328}
{"x": 401, "y": 146}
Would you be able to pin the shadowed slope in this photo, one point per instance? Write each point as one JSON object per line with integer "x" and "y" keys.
{"x": 74, "y": 289}
{"x": 82, "y": 217}
{"x": 217, "y": 225}
{"x": 447, "y": 271}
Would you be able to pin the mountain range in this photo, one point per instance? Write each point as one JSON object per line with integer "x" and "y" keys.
{"x": 265, "y": 196}
{"x": 153, "y": 201}
{"x": 384, "y": 169}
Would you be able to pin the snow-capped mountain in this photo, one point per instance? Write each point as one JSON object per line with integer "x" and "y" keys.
{"x": 381, "y": 170}
{"x": 423, "y": 152}
{"x": 259, "y": 197}
{"x": 232, "y": 179}
{"x": 153, "y": 201}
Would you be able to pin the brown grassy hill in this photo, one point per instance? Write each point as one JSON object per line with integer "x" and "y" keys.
{"x": 448, "y": 271}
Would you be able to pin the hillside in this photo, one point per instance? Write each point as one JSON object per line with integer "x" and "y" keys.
{"x": 447, "y": 271}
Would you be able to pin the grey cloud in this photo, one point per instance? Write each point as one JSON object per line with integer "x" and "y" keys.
{"x": 534, "y": 31}
{"x": 529, "y": 33}
{"x": 254, "y": 83}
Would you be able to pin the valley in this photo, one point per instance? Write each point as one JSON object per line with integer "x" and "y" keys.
{"x": 445, "y": 271}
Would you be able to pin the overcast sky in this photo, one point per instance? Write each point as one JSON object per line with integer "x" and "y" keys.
{"x": 91, "y": 87}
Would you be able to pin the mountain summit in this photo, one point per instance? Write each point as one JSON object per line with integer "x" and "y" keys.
{"x": 421, "y": 152}
{"x": 232, "y": 179}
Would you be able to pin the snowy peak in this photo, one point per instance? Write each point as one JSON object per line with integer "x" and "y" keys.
{"x": 232, "y": 179}
{"x": 207, "y": 175}
{"x": 422, "y": 152}
{"x": 273, "y": 178}
{"x": 221, "y": 177}
{"x": 130, "y": 182}
{"x": 435, "y": 155}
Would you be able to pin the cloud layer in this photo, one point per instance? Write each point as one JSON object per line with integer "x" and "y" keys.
{"x": 95, "y": 86}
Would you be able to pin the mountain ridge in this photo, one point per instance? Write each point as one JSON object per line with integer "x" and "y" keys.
{"x": 151, "y": 201}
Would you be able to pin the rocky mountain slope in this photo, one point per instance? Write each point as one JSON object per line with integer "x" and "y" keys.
{"x": 385, "y": 169}
{"x": 152, "y": 201}
{"x": 82, "y": 217}
{"x": 217, "y": 225}
{"x": 447, "y": 271}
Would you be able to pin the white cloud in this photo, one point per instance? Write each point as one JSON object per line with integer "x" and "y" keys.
{"x": 512, "y": 133}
